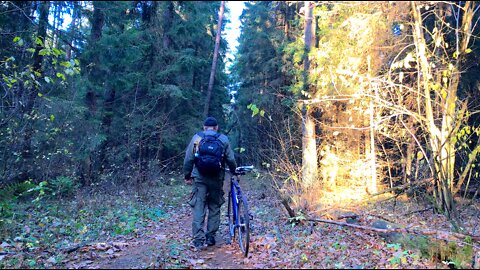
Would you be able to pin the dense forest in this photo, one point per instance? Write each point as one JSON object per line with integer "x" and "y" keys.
{"x": 338, "y": 105}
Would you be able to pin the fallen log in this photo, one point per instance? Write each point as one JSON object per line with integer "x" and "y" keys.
{"x": 75, "y": 248}
{"x": 440, "y": 235}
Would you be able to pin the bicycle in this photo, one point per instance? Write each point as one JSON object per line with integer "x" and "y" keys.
{"x": 238, "y": 215}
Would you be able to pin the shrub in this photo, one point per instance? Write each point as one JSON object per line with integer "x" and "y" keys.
{"x": 63, "y": 186}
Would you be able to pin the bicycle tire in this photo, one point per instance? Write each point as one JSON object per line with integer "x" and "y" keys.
{"x": 231, "y": 221}
{"x": 244, "y": 228}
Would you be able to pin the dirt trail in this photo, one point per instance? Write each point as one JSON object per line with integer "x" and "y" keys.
{"x": 274, "y": 244}
{"x": 165, "y": 244}
{"x": 156, "y": 251}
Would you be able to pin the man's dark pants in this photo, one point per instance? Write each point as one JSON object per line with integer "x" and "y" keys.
{"x": 207, "y": 194}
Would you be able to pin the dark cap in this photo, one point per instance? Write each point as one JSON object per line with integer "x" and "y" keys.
{"x": 210, "y": 122}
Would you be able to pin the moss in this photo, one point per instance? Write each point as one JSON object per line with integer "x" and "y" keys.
{"x": 460, "y": 256}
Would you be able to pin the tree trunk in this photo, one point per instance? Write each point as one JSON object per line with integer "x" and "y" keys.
{"x": 90, "y": 164}
{"x": 286, "y": 23}
{"x": 443, "y": 149}
{"x": 106, "y": 123}
{"x": 309, "y": 147}
{"x": 215, "y": 58}
{"x": 167, "y": 24}
{"x": 57, "y": 22}
{"x": 73, "y": 29}
{"x": 373, "y": 188}
{"x": 97, "y": 23}
{"x": 442, "y": 193}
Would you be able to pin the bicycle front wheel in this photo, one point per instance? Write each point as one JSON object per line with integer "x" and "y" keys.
{"x": 230, "y": 217}
{"x": 244, "y": 226}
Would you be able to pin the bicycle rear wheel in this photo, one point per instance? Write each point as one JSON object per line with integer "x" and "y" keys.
{"x": 244, "y": 226}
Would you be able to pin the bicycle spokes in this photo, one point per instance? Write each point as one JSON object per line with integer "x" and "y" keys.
{"x": 244, "y": 229}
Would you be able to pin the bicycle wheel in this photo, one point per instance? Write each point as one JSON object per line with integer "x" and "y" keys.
{"x": 231, "y": 221}
{"x": 244, "y": 226}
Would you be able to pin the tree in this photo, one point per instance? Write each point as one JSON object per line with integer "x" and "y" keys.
{"x": 443, "y": 81}
{"x": 309, "y": 144}
{"x": 215, "y": 59}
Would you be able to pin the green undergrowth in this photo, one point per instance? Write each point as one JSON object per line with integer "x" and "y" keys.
{"x": 458, "y": 256}
{"x": 33, "y": 224}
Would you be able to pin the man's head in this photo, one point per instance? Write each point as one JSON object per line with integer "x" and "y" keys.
{"x": 210, "y": 124}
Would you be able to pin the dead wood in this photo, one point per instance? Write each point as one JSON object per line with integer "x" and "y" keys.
{"x": 7, "y": 253}
{"x": 290, "y": 211}
{"x": 74, "y": 248}
{"x": 441, "y": 235}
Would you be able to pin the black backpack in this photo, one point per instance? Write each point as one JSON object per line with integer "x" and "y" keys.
{"x": 209, "y": 156}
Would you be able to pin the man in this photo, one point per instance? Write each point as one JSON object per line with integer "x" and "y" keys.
{"x": 207, "y": 189}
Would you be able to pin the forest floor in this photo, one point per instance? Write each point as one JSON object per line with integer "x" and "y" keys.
{"x": 153, "y": 230}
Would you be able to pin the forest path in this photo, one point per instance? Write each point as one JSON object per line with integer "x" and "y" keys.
{"x": 275, "y": 243}
{"x": 168, "y": 247}
{"x": 166, "y": 244}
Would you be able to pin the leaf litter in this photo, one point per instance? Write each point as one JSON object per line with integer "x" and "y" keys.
{"x": 275, "y": 243}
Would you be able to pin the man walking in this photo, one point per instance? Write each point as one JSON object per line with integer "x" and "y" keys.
{"x": 204, "y": 164}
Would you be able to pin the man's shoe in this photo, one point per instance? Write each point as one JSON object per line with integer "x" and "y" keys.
{"x": 210, "y": 241}
{"x": 196, "y": 244}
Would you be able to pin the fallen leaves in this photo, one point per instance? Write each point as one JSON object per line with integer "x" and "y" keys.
{"x": 163, "y": 242}
{"x": 194, "y": 262}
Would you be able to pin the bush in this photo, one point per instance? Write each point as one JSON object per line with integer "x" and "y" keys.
{"x": 63, "y": 186}
{"x": 8, "y": 197}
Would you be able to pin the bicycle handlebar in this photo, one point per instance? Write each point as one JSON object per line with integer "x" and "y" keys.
{"x": 248, "y": 168}
{"x": 243, "y": 169}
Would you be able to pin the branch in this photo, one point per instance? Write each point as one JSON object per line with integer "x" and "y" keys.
{"x": 290, "y": 211}
{"x": 441, "y": 235}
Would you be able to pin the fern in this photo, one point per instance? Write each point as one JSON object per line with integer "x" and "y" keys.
{"x": 15, "y": 190}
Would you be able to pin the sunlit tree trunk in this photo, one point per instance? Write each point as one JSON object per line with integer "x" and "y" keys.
{"x": 215, "y": 59}
{"x": 442, "y": 193}
{"x": 309, "y": 147}
{"x": 442, "y": 147}
{"x": 372, "y": 187}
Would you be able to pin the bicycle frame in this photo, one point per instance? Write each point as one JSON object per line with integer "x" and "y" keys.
{"x": 238, "y": 213}
{"x": 235, "y": 192}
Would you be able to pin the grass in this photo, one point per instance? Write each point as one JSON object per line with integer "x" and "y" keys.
{"x": 52, "y": 224}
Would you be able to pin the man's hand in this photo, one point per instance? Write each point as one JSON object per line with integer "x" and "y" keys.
{"x": 188, "y": 179}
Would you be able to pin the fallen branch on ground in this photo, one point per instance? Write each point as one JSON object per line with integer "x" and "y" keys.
{"x": 74, "y": 248}
{"x": 290, "y": 211}
{"x": 7, "y": 253}
{"x": 440, "y": 235}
